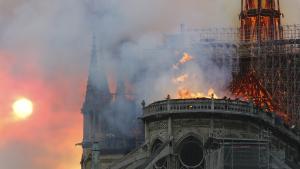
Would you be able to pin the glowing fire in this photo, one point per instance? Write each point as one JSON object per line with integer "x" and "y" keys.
{"x": 249, "y": 88}
{"x": 185, "y": 58}
{"x": 181, "y": 79}
{"x": 184, "y": 93}
{"x": 183, "y": 82}
{"x": 260, "y": 28}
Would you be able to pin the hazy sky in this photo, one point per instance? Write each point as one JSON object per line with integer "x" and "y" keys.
{"x": 44, "y": 56}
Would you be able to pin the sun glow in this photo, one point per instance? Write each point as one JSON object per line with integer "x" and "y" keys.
{"x": 22, "y": 108}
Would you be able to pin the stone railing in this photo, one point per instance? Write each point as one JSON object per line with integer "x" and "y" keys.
{"x": 202, "y": 105}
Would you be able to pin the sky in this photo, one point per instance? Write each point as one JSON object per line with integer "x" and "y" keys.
{"x": 44, "y": 56}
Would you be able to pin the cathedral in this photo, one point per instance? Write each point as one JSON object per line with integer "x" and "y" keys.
{"x": 247, "y": 132}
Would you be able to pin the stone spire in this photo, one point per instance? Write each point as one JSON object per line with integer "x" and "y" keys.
{"x": 97, "y": 97}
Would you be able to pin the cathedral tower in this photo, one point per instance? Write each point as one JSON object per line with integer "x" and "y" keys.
{"x": 260, "y": 20}
{"x": 109, "y": 111}
{"x": 97, "y": 101}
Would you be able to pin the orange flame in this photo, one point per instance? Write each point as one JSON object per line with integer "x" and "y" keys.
{"x": 249, "y": 87}
{"x": 260, "y": 28}
{"x": 185, "y": 58}
{"x": 184, "y": 93}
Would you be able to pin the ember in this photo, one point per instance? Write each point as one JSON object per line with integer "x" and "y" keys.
{"x": 249, "y": 88}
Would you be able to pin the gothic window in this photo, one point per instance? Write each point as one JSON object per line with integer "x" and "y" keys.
{"x": 190, "y": 154}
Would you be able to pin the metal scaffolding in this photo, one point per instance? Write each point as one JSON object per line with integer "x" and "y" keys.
{"x": 228, "y": 152}
{"x": 277, "y": 66}
{"x": 276, "y": 63}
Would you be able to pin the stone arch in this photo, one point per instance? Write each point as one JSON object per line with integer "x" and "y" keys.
{"x": 190, "y": 151}
{"x": 186, "y": 135}
{"x": 155, "y": 146}
{"x": 157, "y": 142}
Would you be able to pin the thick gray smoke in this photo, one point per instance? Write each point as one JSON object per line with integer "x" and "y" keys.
{"x": 135, "y": 49}
{"x": 132, "y": 44}
{"x": 131, "y": 38}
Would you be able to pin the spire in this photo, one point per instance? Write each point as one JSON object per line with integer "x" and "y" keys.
{"x": 97, "y": 97}
{"x": 91, "y": 90}
{"x": 97, "y": 92}
{"x": 93, "y": 61}
{"x": 260, "y": 20}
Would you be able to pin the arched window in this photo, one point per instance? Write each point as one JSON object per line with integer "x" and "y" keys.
{"x": 190, "y": 153}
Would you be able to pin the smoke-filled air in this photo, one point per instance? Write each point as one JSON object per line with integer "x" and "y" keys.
{"x": 45, "y": 54}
